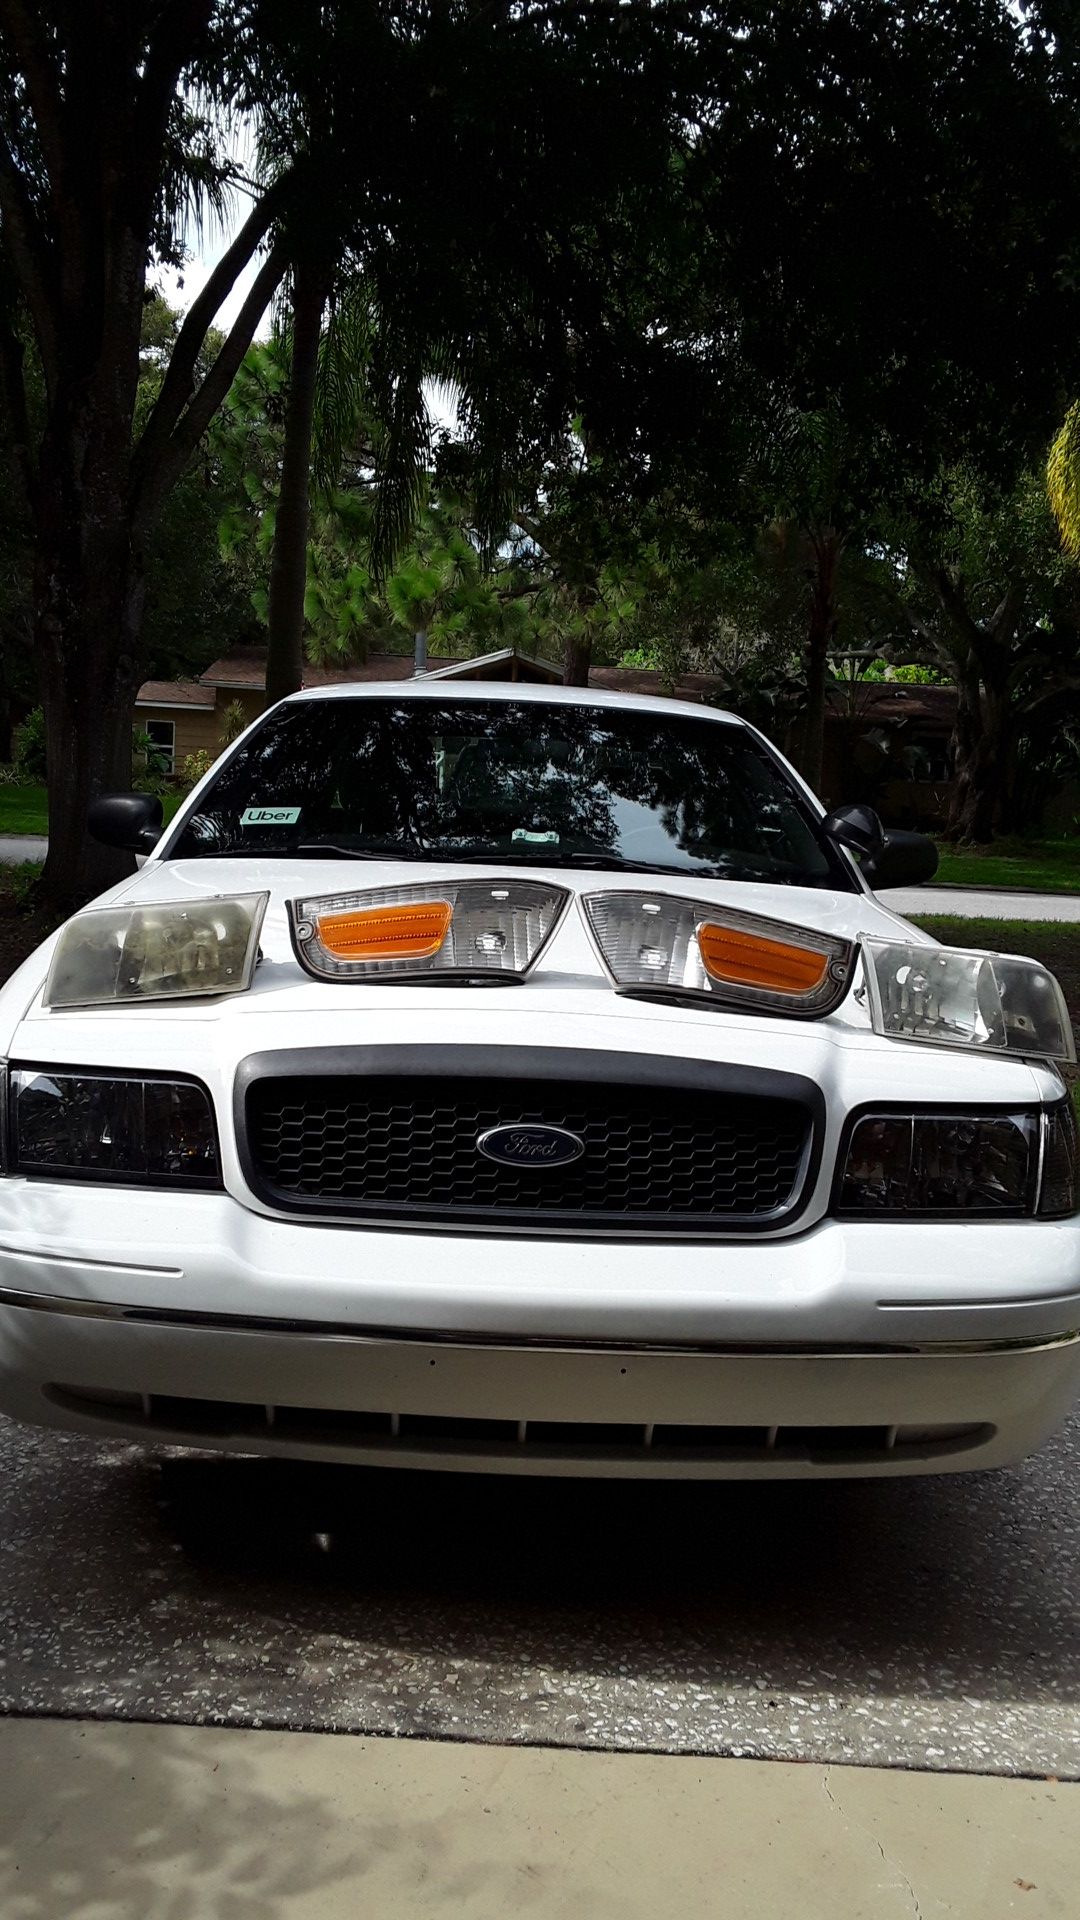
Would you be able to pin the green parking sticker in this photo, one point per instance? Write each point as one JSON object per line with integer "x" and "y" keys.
{"x": 269, "y": 816}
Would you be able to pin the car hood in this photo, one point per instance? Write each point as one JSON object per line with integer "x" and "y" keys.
{"x": 569, "y": 955}
{"x": 567, "y": 1001}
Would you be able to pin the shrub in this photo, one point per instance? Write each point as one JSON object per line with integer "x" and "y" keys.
{"x": 233, "y": 722}
{"x": 19, "y": 883}
{"x": 195, "y": 765}
{"x": 30, "y": 747}
{"x": 149, "y": 765}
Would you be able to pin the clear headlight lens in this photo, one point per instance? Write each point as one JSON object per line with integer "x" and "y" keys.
{"x": 942, "y": 1164}
{"x": 951, "y": 997}
{"x": 447, "y": 929}
{"x": 111, "y": 1126}
{"x": 657, "y": 943}
{"x": 167, "y": 951}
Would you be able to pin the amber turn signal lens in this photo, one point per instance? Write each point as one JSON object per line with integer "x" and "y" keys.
{"x": 749, "y": 960}
{"x": 412, "y": 931}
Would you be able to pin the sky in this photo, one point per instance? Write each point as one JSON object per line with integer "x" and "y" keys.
{"x": 207, "y": 246}
{"x": 180, "y": 289}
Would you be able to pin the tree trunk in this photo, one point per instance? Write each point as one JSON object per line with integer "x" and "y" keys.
{"x": 821, "y": 633}
{"x": 577, "y": 656}
{"x": 89, "y": 592}
{"x": 288, "y": 565}
{"x": 980, "y": 761}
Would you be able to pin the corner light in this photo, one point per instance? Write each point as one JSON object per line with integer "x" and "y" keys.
{"x": 750, "y": 960}
{"x": 464, "y": 929}
{"x": 662, "y": 944}
{"x": 414, "y": 931}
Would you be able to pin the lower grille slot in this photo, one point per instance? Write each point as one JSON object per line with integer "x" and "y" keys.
{"x": 449, "y": 1433}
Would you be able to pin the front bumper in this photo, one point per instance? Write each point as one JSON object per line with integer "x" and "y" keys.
{"x": 520, "y": 1409}
{"x": 192, "y": 1319}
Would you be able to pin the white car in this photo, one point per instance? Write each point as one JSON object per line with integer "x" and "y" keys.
{"x": 507, "y": 1078}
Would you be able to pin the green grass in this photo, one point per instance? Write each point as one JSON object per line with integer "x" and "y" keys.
{"x": 1045, "y": 866}
{"x": 23, "y": 810}
{"x": 958, "y": 930}
{"x": 26, "y": 809}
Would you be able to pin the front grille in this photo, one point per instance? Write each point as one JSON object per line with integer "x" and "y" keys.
{"x": 660, "y": 1159}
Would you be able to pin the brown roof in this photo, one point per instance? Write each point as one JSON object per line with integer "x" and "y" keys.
{"x": 174, "y": 693}
{"x": 873, "y": 703}
{"x": 890, "y": 701}
{"x": 246, "y": 667}
{"x": 686, "y": 686}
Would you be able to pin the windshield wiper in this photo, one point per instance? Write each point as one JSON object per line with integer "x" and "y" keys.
{"x": 598, "y": 861}
{"x": 313, "y": 847}
{"x": 717, "y": 870}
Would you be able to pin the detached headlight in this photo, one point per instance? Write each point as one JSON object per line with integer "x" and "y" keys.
{"x": 658, "y": 943}
{"x": 447, "y": 929}
{"x": 111, "y": 1126}
{"x": 952, "y": 997}
{"x": 165, "y": 951}
{"x": 938, "y": 1165}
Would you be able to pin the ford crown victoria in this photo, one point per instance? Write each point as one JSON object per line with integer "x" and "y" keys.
{"x": 530, "y": 1080}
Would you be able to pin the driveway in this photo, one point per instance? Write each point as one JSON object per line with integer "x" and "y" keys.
{"x": 16, "y": 847}
{"x": 972, "y": 903}
{"x": 158, "y": 1823}
{"x": 908, "y": 1623}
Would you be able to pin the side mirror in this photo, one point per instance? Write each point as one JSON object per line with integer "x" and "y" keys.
{"x": 129, "y": 820}
{"x": 856, "y": 827}
{"x": 906, "y": 860}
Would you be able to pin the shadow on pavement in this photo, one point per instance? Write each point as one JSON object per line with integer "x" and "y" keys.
{"x": 882, "y": 1581}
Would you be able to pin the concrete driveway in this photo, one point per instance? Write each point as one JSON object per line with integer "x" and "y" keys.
{"x": 972, "y": 903}
{"x": 16, "y": 847}
{"x": 168, "y": 1823}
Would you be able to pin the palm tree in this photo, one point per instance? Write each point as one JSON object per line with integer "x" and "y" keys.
{"x": 1063, "y": 480}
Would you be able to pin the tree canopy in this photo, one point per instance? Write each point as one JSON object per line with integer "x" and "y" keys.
{"x": 730, "y": 297}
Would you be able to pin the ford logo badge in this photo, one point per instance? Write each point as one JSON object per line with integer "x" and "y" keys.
{"x": 531, "y": 1146}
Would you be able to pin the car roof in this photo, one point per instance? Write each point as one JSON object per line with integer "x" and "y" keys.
{"x": 481, "y": 691}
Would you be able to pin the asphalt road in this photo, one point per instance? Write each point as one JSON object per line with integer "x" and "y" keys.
{"x": 915, "y": 1623}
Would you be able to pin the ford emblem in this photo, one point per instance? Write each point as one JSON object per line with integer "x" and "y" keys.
{"x": 531, "y": 1146}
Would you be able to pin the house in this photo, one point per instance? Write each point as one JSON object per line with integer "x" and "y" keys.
{"x": 195, "y": 716}
{"x": 885, "y": 742}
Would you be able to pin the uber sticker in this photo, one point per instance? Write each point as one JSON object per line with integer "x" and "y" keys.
{"x": 269, "y": 816}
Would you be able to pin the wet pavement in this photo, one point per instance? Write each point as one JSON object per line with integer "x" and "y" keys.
{"x": 917, "y": 1623}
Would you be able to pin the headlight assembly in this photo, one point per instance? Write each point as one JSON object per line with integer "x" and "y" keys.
{"x": 141, "y": 1130}
{"x": 951, "y": 997}
{"x": 942, "y": 1165}
{"x": 165, "y": 950}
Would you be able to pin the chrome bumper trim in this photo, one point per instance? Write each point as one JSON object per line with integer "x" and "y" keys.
{"x": 194, "y": 1321}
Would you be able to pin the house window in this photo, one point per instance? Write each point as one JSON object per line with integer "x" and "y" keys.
{"x": 163, "y": 739}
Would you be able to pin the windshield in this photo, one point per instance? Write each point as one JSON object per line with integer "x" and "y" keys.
{"x": 512, "y": 782}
